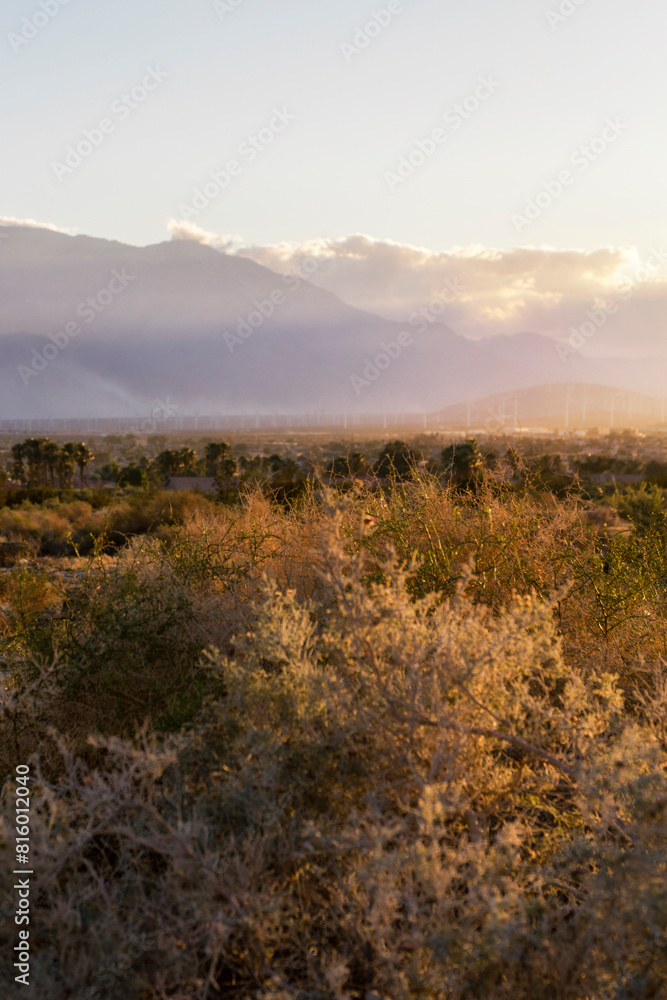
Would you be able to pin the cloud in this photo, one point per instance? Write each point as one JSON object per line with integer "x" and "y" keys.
{"x": 189, "y": 231}
{"x": 488, "y": 291}
{"x": 10, "y": 220}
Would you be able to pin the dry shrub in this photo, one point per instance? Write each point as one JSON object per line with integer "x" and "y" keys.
{"x": 141, "y": 512}
{"x": 387, "y": 793}
{"x": 615, "y": 612}
{"x": 34, "y": 524}
{"x": 125, "y": 656}
{"x": 57, "y": 527}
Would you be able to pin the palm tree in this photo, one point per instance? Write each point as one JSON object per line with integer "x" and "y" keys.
{"x": 51, "y": 453}
{"x": 176, "y": 463}
{"x": 82, "y": 456}
{"x": 167, "y": 463}
{"x": 66, "y": 465}
{"x": 188, "y": 460}
{"x": 34, "y": 454}
{"x": 18, "y": 467}
{"x": 219, "y": 461}
{"x": 215, "y": 450}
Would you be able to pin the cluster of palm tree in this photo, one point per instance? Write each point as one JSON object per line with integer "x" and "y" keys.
{"x": 461, "y": 463}
{"x": 397, "y": 460}
{"x": 42, "y": 462}
{"x": 218, "y": 460}
{"x": 178, "y": 462}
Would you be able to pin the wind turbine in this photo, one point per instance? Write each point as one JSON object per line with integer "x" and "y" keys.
{"x": 569, "y": 395}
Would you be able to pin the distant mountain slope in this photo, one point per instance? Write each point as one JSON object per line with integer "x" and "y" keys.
{"x": 562, "y": 405}
{"x": 163, "y": 321}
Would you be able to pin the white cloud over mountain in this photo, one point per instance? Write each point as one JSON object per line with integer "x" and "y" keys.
{"x": 487, "y": 291}
{"x": 9, "y": 220}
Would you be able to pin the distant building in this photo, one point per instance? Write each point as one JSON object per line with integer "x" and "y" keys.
{"x": 200, "y": 484}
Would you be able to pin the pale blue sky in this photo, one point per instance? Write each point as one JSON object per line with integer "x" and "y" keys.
{"x": 325, "y": 175}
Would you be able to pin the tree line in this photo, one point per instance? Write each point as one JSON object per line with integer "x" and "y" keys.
{"x": 42, "y": 462}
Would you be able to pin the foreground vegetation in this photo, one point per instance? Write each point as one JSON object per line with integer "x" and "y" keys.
{"x": 401, "y": 742}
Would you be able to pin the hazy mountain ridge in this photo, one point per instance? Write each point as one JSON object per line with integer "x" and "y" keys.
{"x": 577, "y": 404}
{"x": 164, "y": 322}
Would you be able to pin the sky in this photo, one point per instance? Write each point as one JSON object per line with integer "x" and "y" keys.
{"x": 318, "y": 118}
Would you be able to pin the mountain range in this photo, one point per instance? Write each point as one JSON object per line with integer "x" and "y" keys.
{"x": 91, "y": 327}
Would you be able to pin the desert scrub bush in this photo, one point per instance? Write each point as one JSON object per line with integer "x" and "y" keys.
{"x": 616, "y": 612}
{"x": 125, "y": 645}
{"x": 416, "y": 797}
{"x": 59, "y": 526}
{"x": 12, "y": 553}
{"x": 259, "y": 537}
{"x": 643, "y": 507}
{"x": 130, "y": 628}
{"x": 27, "y": 597}
{"x": 34, "y": 524}
{"x": 54, "y": 527}
{"x": 137, "y": 513}
{"x": 517, "y": 541}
